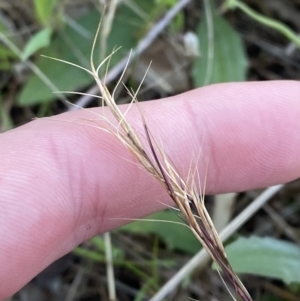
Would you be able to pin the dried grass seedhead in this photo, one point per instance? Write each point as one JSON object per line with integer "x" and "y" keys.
{"x": 185, "y": 194}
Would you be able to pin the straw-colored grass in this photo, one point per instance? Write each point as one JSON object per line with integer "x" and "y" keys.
{"x": 184, "y": 193}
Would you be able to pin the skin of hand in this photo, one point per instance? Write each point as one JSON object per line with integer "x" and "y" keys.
{"x": 62, "y": 182}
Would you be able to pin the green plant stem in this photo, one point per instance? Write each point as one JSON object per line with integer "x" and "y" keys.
{"x": 280, "y": 27}
{"x": 38, "y": 72}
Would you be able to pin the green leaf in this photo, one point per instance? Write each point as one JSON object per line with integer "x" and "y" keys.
{"x": 39, "y": 40}
{"x": 175, "y": 236}
{"x": 44, "y": 10}
{"x": 76, "y": 48}
{"x": 266, "y": 257}
{"x": 228, "y": 61}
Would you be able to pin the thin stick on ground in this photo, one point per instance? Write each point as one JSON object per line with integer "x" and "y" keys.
{"x": 109, "y": 268}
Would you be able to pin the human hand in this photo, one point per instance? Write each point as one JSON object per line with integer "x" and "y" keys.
{"x": 62, "y": 183}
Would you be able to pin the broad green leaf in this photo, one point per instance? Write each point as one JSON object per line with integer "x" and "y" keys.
{"x": 44, "y": 10}
{"x": 39, "y": 40}
{"x": 266, "y": 257}
{"x": 75, "y": 48}
{"x": 175, "y": 236}
{"x": 224, "y": 60}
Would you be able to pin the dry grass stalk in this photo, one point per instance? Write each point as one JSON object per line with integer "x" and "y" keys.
{"x": 183, "y": 193}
